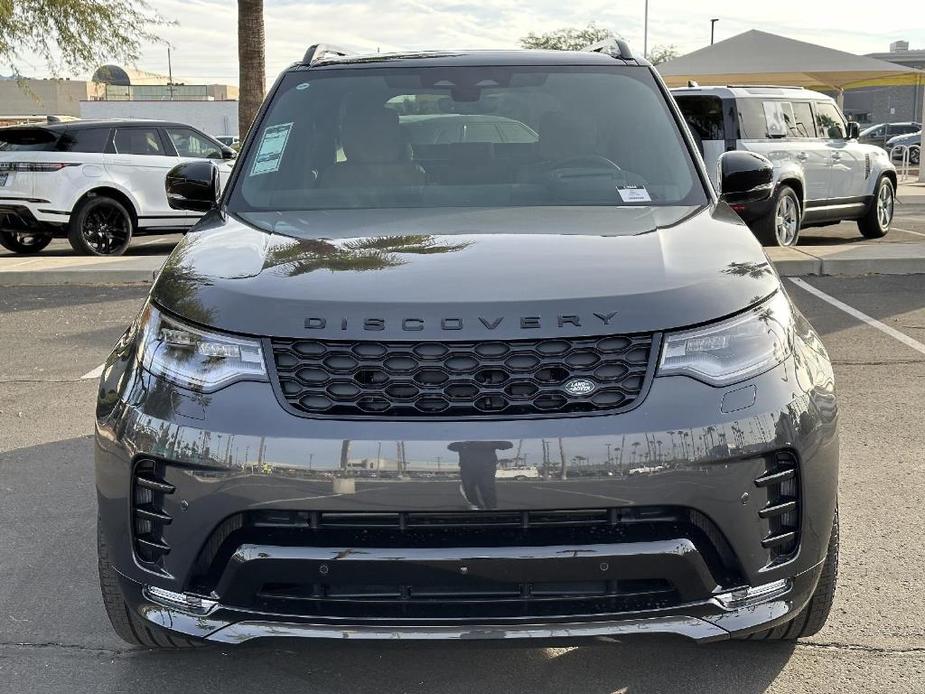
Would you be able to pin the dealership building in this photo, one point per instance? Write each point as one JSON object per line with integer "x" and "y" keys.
{"x": 117, "y": 92}
{"x": 890, "y": 104}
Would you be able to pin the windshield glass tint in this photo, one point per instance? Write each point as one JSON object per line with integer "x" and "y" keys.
{"x": 466, "y": 137}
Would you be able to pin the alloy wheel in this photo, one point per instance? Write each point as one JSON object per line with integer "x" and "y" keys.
{"x": 106, "y": 228}
{"x": 786, "y": 221}
{"x": 885, "y": 205}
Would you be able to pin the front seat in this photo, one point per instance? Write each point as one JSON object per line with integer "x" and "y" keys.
{"x": 376, "y": 153}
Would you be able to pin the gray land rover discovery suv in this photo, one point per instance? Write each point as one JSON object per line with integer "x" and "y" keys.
{"x": 521, "y": 373}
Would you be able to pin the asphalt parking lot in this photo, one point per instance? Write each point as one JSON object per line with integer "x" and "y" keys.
{"x": 54, "y": 636}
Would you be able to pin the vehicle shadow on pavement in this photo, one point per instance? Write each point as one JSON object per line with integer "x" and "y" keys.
{"x": 638, "y": 664}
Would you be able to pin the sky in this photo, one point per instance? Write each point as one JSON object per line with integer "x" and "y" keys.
{"x": 204, "y": 38}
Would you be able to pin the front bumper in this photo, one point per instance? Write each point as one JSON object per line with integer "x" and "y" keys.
{"x": 688, "y": 449}
{"x": 704, "y": 621}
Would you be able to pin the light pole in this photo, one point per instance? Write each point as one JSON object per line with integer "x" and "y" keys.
{"x": 169, "y": 71}
{"x": 712, "y": 27}
{"x": 645, "y": 31}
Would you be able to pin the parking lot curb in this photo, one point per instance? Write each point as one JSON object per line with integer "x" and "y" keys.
{"x": 38, "y": 270}
{"x": 49, "y": 278}
{"x": 793, "y": 262}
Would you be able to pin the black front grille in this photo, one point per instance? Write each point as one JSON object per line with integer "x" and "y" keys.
{"x": 472, "y": 599}
{"x": 149, "y": 488}
{"x": 781, "y": 480}
{"x": 423, "y": 529}
{"x": 461, "y": 379}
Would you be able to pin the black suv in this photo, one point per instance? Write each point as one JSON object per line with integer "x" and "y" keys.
{"x": 534, "y": 382}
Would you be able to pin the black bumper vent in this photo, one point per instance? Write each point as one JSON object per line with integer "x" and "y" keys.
{"x": 149, "y": 488}
{"x": 482, "y": 529}
{"x": 471, "y": 600}
{"x": 461, "y": 379}
{"x": 781, "y": 480}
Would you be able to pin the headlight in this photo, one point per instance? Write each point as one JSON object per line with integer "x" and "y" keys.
{"x": 734, "y": 349}
{"x": 195, "y": 358}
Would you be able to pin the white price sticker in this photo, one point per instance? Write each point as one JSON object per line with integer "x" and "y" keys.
{"x": 271, "y": 149}
{"x": 633, "y": 194}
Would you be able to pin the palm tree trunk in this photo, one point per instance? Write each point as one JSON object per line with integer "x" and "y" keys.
{"x": 251, "y": 62}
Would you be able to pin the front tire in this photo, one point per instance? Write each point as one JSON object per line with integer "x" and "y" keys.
{"x": 100, "y": 226}
{"x": 127, "y": 625}
{"x": 811, "y": 618}
{"x": 876, "y": 221}
{"x": 24, "y": 241}
{"x": 781, "y": 227}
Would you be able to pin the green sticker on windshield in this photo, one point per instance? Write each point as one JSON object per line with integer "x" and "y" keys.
{"x": 270, "y": 152}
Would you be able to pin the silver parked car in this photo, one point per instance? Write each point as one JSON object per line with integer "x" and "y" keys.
{"x": 822, "y": 174}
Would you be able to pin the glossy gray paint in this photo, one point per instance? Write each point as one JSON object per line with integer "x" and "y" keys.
{"x": 648, "y": 269}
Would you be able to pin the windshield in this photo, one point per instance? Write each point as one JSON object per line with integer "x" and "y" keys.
{"x": 375, "y": 138}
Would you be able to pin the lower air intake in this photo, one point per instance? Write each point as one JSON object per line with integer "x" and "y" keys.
{"x": 781, "y": 480}
{"x": 149, "y": 489}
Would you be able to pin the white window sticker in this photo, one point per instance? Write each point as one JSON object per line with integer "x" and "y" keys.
{"x": 633, "y": 194}
{"x": 271, "y": 149}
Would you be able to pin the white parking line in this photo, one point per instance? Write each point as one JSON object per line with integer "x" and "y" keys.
{"x": 851, "y": 311}
{"x": 908, "y": 231}
{"x": 148, "y": 243}
{"x": 96, "y": 373}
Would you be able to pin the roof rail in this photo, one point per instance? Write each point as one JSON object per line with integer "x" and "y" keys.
{"x": 317, "y": 51}
{"x": 618, "y": 48}
{"x": 764, "y": 86}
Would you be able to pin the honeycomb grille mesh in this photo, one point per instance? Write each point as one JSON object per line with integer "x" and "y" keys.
{"x": 460, "y": 379}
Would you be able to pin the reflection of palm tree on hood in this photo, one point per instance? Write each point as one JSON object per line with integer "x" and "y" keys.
{"x": 748, "y": 269}
{"x": 181, "y": 293}
{"x": 376, "y": 253}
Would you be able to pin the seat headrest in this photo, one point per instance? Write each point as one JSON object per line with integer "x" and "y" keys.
{"x": 373, "y": 137}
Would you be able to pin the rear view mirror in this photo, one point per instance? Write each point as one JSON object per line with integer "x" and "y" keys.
{"x": 193, "y": 185}
{"x": 745, "y": 177}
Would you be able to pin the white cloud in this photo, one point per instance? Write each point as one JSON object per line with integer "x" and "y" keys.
{"x": 205, "y": 36}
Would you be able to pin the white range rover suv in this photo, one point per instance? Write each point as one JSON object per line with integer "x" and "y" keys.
{"x": 822, "y": 174}
{"x": 96, "y": 182}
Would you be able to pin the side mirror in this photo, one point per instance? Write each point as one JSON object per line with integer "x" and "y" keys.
{"x": 193, "y": 185}
{"x": 854, "y": 130}
{"x": 745, "y": 177}
{"x": 228, "y": 153}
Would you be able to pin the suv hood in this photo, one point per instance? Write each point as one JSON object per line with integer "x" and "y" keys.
{"x": 465, "y": 274}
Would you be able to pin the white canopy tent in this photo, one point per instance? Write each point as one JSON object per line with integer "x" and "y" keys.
{"x": 757, "y": 57}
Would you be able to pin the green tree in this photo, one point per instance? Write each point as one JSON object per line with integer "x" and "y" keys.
{"x": 662, "y": 54}
{"x": 567, "y": 38}
{"x": 78, "y": 35}
{"x": 251, "y": 62}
